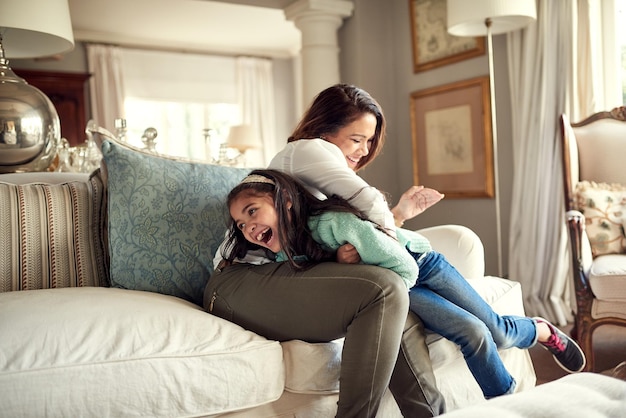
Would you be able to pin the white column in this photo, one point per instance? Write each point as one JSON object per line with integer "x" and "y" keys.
{"x": 318, "y": 21}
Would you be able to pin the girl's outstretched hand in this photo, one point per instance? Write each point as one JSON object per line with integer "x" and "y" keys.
{"x": 415, "y": 201}
{"x": 347, "y": 254}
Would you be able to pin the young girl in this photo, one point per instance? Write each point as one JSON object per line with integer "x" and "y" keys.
{"x": 273, "y": 211}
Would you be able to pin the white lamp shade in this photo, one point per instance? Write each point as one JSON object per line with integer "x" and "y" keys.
{"x": 35, "y": 28}
{"x": 242, "y": 137}
{"x": 467, "y": 17}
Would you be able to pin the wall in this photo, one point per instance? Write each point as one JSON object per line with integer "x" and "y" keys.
{"x": 287, "y": 113}
{"x": 376, "y": 54}
{"x": 74, "y": 61}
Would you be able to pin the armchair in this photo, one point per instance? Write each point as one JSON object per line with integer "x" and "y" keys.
{"x": 594, "y": 174}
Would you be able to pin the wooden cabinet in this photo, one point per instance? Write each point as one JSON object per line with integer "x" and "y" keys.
{"x": 68, "y": 93}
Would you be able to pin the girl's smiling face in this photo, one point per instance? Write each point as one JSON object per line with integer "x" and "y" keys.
{"x": 257, "y": 219}
{"x": 355, "y": 139}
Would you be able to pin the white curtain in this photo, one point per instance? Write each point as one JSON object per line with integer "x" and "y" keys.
{"x": 550, "y": 73}
{"x": 255, "y": 86}
{"x": 106, "y": 85}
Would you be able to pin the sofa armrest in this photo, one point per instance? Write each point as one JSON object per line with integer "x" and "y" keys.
{"x": 579, "y": 240}
{"x": 461, "y": 246}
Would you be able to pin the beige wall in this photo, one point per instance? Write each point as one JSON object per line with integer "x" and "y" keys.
{"x": 376, "y": 55}
{"x": 73, "y": 61}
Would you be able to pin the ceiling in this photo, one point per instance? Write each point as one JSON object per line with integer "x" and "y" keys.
{"x": 233, "y": 27}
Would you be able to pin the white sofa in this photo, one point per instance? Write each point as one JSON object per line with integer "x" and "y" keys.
{"x": 73, "y": 345}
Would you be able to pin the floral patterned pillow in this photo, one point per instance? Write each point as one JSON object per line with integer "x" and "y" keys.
{"x": 604, "y": 207}
{"x": 166, "y": 219}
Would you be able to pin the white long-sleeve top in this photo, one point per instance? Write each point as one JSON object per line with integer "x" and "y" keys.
{"x": 323, "y": 169}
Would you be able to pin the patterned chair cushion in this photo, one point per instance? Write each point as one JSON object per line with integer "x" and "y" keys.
{"x": 51, "y": 235}
{"x": 166, "y": 219}
{"x": 604, "y": 207}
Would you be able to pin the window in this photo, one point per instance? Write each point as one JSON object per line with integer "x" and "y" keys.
{"x": 189, "y": 99}
{"x": 611, "y": 56}
{"x": 190, "y": 130}
{"x": 621, "y": 39}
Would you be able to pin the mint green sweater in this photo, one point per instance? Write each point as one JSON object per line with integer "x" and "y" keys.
{"x": 333, "y": 229}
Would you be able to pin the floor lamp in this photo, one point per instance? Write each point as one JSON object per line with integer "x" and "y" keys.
{"x": 487, "y": 18}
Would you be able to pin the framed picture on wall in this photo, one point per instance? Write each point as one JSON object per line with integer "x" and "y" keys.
{"x": 432, "y": 45}
{"x": 452, "y": 144}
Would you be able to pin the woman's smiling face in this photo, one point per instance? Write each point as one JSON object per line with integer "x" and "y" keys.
{"x": 257, "y": 219}
{"x": 355, "y": 139}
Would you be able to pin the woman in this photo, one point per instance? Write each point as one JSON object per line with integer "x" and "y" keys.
{"x": 346, "y": 117}
{"x": 269, "y": 209}
{"x": 367, "y": 305}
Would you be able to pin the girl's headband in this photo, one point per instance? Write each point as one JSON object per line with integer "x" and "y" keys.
{"x": 257, "y": 178}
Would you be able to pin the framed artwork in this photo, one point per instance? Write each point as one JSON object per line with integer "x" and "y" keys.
{"x": 452, "y": 144}
{"x": 433, "y": 46}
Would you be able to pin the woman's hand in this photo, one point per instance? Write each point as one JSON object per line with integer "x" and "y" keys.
{"x": 413, "y": 202}
{"x": 347, "y": 254}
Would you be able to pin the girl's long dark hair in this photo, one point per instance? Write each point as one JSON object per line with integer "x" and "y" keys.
{"x": 293, "y": 231}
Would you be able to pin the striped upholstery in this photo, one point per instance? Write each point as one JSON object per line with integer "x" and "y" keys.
{"x": 51, "y": 235}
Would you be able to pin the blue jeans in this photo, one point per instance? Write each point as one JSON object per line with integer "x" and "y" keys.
{"x": 449, "y": 306}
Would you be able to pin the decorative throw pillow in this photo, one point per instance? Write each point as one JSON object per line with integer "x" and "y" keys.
{"x": 51, "y": 235}
{"x": 604, "y": 207}
{"x": 166, "y": 219}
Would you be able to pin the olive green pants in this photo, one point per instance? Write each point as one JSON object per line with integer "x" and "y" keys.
{"x": 367, "y": 305}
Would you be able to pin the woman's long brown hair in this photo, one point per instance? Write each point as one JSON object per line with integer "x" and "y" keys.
{"x": 336, "y": 107}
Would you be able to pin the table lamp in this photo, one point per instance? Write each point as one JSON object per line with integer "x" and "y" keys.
{"x": 240, "y": 138}
{"x": 489, "y": 17}
{"x": 29, "y": 123}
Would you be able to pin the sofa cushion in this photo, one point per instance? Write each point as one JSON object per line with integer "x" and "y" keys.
{"x": 607, "y": 277}
{"x": 166, "y": 219}
{"x": 604, "y": 207}
{"x": 108, "y": 352}
{"x": 312, "y": 367}
{"x": 575, "y": 395}
{"x": 51, "y": 235}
